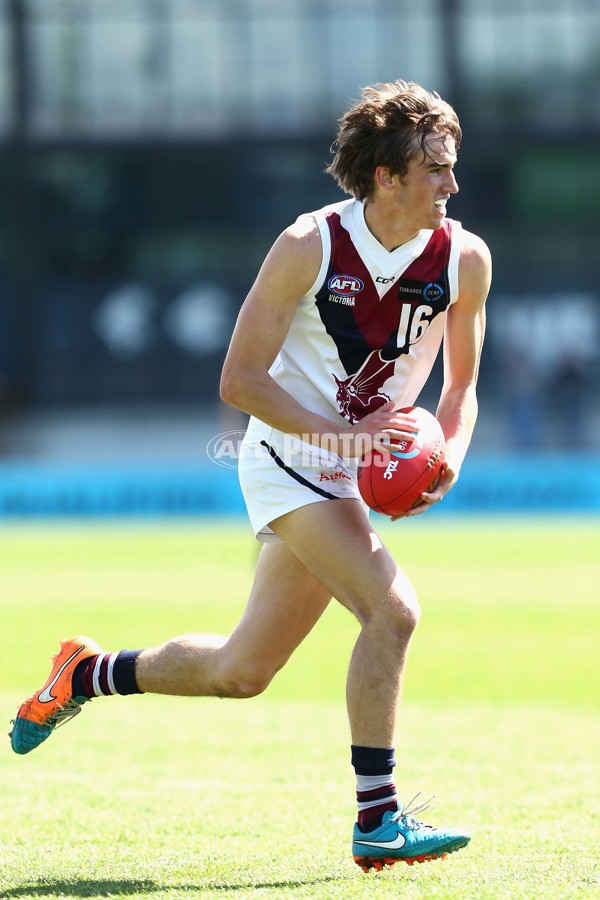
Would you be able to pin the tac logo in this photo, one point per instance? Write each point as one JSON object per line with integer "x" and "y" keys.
{"x": 433, "y": 292}
{"x": 345, "y": 285}
{"x": 391, "y": 468}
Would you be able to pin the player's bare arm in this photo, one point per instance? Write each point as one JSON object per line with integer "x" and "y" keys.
{"x": 463, "y": 342}
{"x": 288, "y": 272}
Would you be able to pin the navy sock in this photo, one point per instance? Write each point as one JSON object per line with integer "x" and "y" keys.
{"x": 375, "y": 788}
{"x": 106, "y": 674}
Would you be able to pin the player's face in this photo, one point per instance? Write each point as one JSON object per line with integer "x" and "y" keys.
{"x": 428, "y": 184}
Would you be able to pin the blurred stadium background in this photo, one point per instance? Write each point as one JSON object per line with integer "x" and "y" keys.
{"x": 151, "y": 151}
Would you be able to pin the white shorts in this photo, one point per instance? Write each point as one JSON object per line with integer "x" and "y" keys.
{"x": 279, "y": 473}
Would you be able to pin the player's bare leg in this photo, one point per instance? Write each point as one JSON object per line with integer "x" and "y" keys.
{"x": 285, "y": 602}
{"x": 359, "y": 571}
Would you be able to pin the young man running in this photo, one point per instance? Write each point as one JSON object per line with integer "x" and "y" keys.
{"x": 338, "y": 333}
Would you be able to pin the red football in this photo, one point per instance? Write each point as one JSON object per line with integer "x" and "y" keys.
{"x": 391, "y": 482}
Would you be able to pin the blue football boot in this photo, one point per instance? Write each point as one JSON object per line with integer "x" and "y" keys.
{"x": 402, "y": 837}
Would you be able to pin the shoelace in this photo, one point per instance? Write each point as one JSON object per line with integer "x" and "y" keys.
{"x": 407, "y": 812}
{"x": 64, "y": 713}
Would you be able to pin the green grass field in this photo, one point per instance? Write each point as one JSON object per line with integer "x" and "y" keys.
{"x": 167, "y": 798}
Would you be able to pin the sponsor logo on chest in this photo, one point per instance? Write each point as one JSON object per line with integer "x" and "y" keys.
{"x": 344, "y": 288}
{"x": 414, "y": 291}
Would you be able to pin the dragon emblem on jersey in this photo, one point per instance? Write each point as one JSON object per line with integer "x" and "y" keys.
{"x": 362, "y": 393}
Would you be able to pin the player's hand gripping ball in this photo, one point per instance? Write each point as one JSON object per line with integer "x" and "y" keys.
{"x": 392, "y": 482}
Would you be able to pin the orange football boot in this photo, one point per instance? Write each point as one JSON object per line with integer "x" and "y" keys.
{"x": 54, "y": 703}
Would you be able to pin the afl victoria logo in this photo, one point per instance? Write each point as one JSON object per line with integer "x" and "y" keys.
{"x": 345, "y": 285}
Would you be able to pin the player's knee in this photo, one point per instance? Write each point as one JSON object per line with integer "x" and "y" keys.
{"x": 398, "y": 615}
{"x": 244, "y": 689}
{"x": 401, "y": 613}
{"x": 408, "y": 610}
{"x": 388, "y": 605}
{"x": 243, "y": 682}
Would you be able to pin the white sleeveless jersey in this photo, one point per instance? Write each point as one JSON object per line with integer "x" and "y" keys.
{"x": 371, "y": 326}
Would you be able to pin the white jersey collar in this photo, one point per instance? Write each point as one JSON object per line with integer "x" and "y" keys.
{"x": 390, "y": 262}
